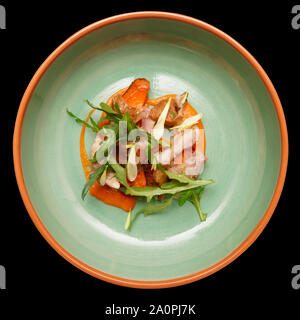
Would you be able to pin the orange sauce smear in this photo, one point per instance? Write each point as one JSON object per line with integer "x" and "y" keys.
{"x": 106, "y": 194}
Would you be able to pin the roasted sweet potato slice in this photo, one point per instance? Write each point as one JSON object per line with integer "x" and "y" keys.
{"x": 137, "y": 93}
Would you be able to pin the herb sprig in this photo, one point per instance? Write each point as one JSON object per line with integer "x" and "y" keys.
{"x": 148, "y": 210}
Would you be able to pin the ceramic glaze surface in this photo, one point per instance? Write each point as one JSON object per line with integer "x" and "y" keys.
{"x": 243, "y": 146}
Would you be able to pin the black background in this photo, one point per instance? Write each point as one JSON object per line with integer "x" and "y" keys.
{"x": 259, "y": 281}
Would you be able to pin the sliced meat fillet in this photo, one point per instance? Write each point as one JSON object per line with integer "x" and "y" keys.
{"x": 147, "y": 124}
{"x": 192, "y": 166}
{"x": 96, "y": 145}
{"x": 135, "y": 114}
{"x": 175, "y": 115}
{"x": 111, "y": 180}
{"x": 159, "y": 177}
{"x": 149, "y": 175}
{"x": 182, "y": 140}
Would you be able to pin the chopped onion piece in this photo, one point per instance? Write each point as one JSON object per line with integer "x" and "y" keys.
{"x": 131, "y": 165}
{"x": 189, "y": 122}
{"x": 184, "y": 98}
{"x": 103, "y": 177}
{"x": 158, "y": 129}
{"x": 128, "y": 220}
{"x": 154, "y": 164}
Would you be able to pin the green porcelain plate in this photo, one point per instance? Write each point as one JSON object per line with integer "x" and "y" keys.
{"x": 246, "y": 145}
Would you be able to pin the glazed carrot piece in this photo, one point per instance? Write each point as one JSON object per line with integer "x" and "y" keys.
{"x": 112, "y": 196}
{"x": 140, "y": 180}
{"x": 137, "y": 93}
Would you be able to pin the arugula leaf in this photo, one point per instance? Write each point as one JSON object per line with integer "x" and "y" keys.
{"x": 130, "y": 124}
{"x": 93, "y": 122}
{"x": 111, "y": 117}
{"x": 92, "y": 105}
{"x": 171, "y": 184}
{"x": 194, "y": 197}
{"x": 78, "y": 120}
{"x": 104, "y": 107}
{"x": 92, "y": 178}
{"x": 108, "y": 109}
{"x": 110, "y": 113}
{"x": 184, "y": 196}
{"x": 119, "y": 170}
{"x": 150, "y": 192}
{"x": 148, "y": 210}
{"x": 179, "y": 177}
{"x": 195, "y": 200}
{"x": 117, "y": 107}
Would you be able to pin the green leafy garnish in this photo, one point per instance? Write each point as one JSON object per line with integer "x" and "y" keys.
{"x": 117, "y": 107}
{"x": 108, "y": 109}
{"x": 92, "y": 179}
{"x": 103, "y": 107}
{"x": 119, "y": 170}
{"x": 171, "y": 184}
{"x": 184, "y": 196}
{"x": 150, "y": 192}
{"x": 78, "y": 120}
{"x": 194, "y": 197}
{"x": 130, "y": 124}
{"x": 148, "y": 210}
{"x": 195, "y": 200}
{"x": 94, "y": 123}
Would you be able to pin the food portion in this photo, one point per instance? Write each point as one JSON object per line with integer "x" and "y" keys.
{"x": 151, "y": 149}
